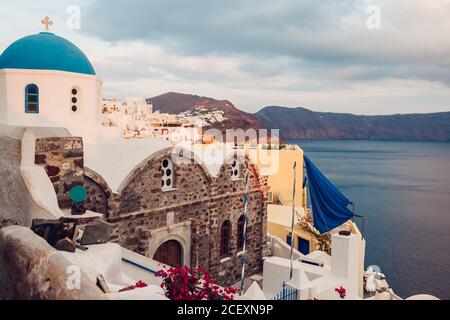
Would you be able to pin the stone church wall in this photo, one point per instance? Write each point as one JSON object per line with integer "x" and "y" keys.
{"x": 98, "y": 192}
{"x": 230, "y": 206}
{"x": 204, "y": 201}
{"x": 192, "y": 212}
{"x": 143, "y": 205}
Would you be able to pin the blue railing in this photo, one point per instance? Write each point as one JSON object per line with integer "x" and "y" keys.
{"x": 286, "y": 294}
{"x": 138, "y": 265}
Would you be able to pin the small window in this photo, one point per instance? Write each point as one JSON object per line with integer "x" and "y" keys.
{"x": 225, "y": 232}
{"x": 75, "y": 99}
{"x": 240, "y": 232}
{"x": 167, "y": 180}
{"x": 31, "y": 98}
{"x": 235, "y": 170}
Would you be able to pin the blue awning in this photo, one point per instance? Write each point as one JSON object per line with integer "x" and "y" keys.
{"x": 329, "y": 205}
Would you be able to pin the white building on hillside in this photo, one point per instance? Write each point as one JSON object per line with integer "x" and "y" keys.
{"x": 136, "y": 118}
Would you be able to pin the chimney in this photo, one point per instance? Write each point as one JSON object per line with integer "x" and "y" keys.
{"x": 346, "y": 260}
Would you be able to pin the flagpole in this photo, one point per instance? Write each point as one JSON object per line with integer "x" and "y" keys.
{"x": 293, "y": 220}
{"x": 245, "y": 227}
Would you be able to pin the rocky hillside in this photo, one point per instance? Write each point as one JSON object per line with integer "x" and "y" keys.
{"x": 301, "y": 123}
{"x": 173, "y": 102}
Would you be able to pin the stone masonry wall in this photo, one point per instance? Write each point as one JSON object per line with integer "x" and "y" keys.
{"x": 141, "y": 205}
{"x": 143, "y": 191}
{"x": 230, "y": 207}
{"x": 205, "y": 201}
{"x": 97, "y": 199}
{"x": 62, "y": 158}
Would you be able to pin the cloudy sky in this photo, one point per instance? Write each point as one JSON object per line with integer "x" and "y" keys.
{"x": 327, "y": 55}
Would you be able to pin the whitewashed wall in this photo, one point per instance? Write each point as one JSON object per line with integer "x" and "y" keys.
{"x": 54, "y": 99}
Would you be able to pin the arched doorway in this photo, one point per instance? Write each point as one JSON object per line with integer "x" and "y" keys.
{"x": 170, "y": 253}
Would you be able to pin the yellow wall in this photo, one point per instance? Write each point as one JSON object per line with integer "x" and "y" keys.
{"x": 281, "y": 183}
{"x": 281, "y": 232}
{"x": 281, "y": 173}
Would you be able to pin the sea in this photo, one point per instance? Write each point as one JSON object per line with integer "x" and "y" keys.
{"x": 403, "y": 191}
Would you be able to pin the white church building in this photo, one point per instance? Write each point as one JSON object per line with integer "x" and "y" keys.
{"x": 45, "y": 80}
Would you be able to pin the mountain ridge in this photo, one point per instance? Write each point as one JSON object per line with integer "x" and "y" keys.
{"x": 303, "y": 123}
{"x": 173, "y": 102}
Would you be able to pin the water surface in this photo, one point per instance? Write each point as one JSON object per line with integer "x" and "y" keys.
{"x": 403, "y": 190}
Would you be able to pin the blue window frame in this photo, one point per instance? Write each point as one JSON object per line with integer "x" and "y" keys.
{"x": 289, "y": 239}
{"x": 303, "y": 245}
{"x": 31, "y": 98}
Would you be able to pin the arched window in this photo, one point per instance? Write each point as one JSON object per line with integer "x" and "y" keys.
{"x": 225, "y": 233}
{"x": 31, "y": 98}
{"x": 75, "y": 99}
{"x": 240, "y": 232}
{"x": 167, "y": 180}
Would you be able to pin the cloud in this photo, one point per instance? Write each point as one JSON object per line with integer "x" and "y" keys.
{"x": 314, "y": 35}
{"x": 318, "y": 54}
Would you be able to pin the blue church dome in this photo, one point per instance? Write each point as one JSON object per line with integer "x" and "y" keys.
{"x": 45, "y": 51}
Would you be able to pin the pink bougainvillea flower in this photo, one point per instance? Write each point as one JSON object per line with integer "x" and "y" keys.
{"x": 140, "y": 284}
{"x": 341, "y": 291}
{"x": 184, "y": 283}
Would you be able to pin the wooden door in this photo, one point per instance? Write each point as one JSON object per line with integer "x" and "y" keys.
{"x": 169, "y": 253}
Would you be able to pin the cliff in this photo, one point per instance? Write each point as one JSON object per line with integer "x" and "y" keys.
{"x": 301, "y": 123}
